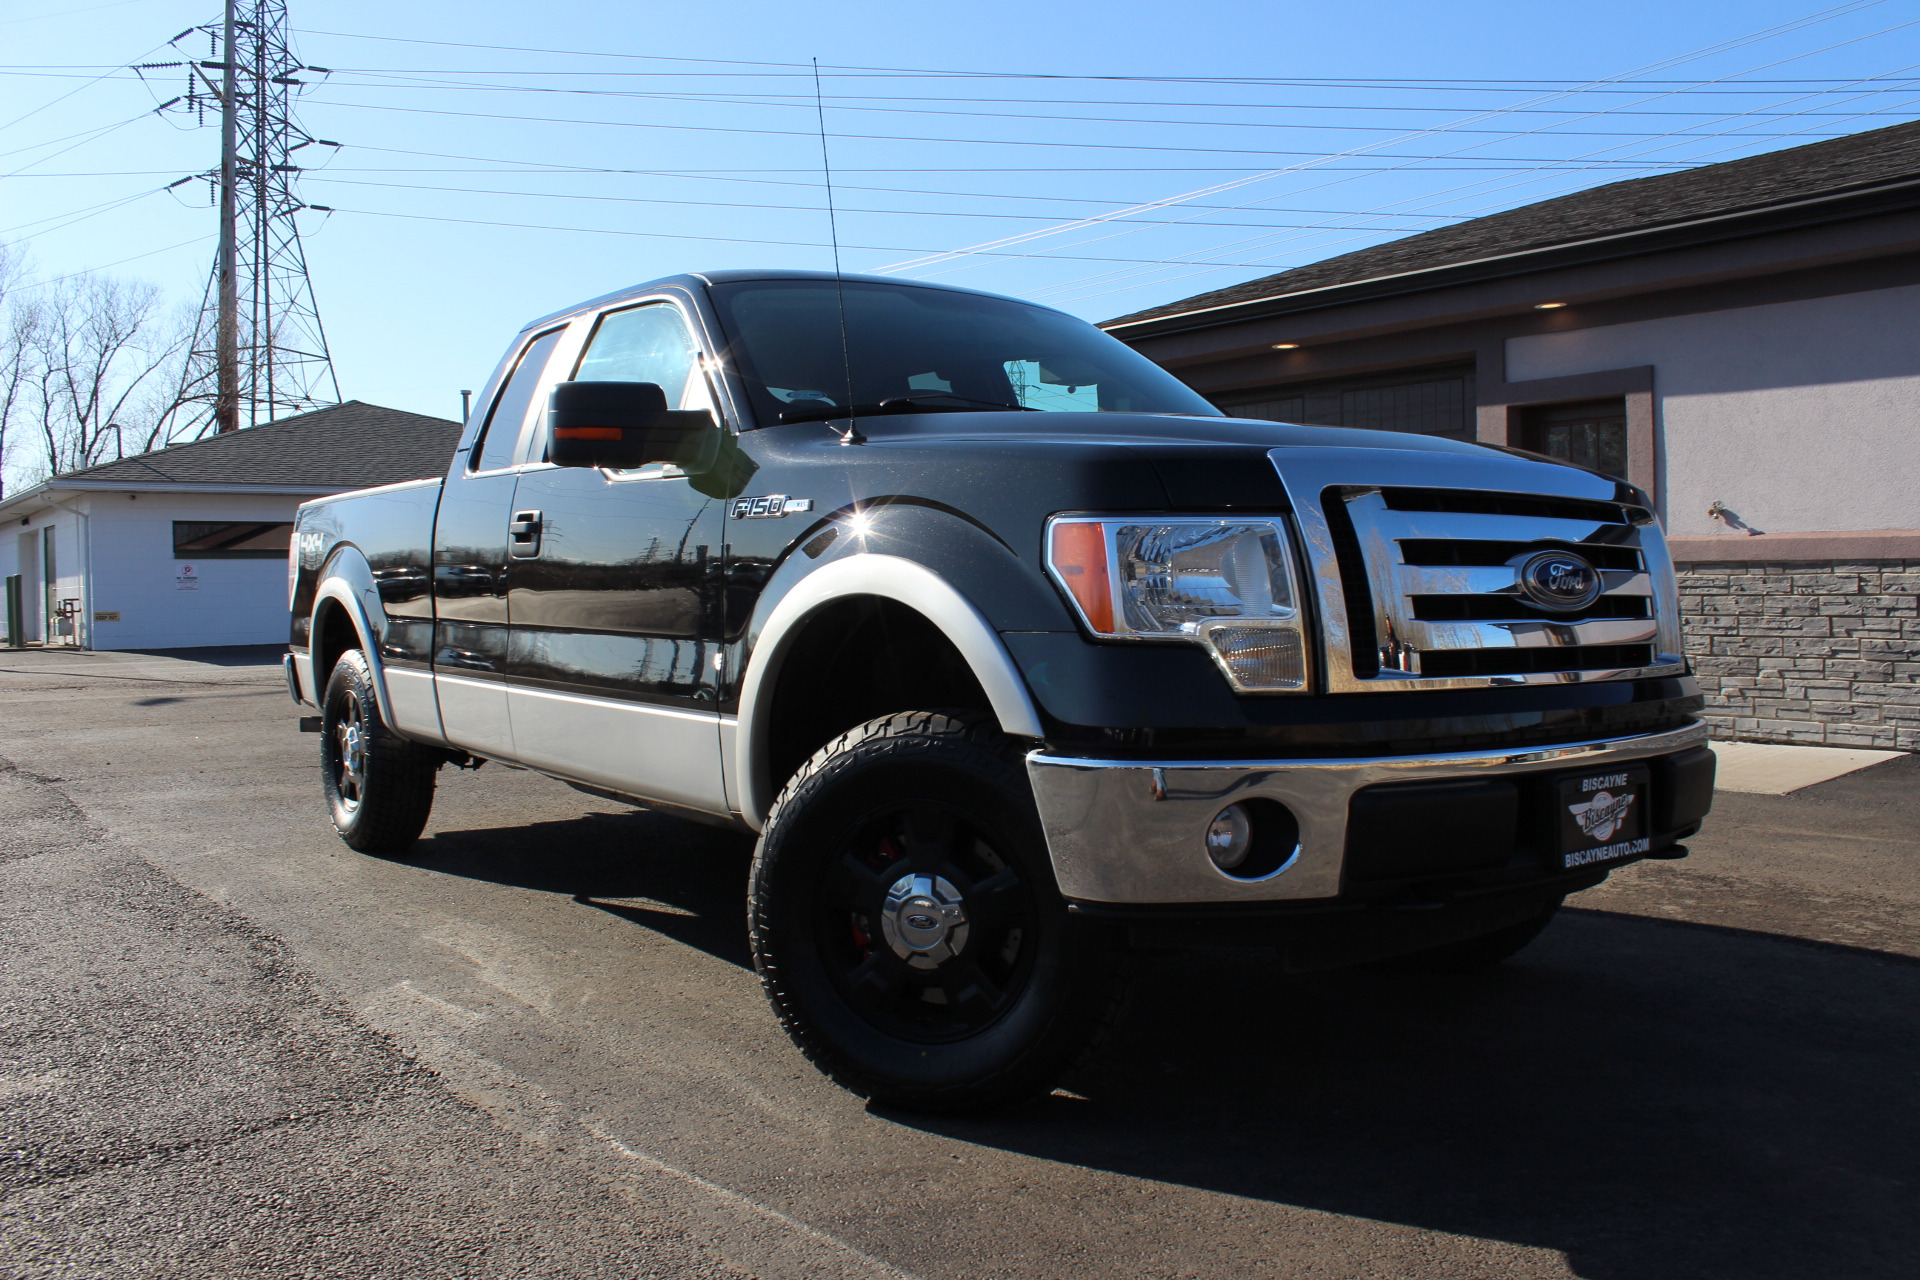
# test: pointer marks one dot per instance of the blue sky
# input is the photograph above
(477, 187)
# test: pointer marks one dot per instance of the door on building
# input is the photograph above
(33, 599)
(470, 564)
(49, 584)
(1436, 400)
(1589, 433)
(613, 593)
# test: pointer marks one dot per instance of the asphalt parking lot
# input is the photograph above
(232, 1046)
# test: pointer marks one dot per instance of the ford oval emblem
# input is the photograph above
(1560, 581)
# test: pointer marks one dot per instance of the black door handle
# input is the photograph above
(523, 535)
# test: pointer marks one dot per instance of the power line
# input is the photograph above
(1723, 46)
(79, 215)
(867, 137)
(778, 208)
(794, 244)
(839, 105)
(798, 69)
(63, 97)
(72, 275)
(1111, 275)
(688, 95)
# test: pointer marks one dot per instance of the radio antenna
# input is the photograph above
(852, 435)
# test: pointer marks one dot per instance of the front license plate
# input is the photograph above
(1602, 816)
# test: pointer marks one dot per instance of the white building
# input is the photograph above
(187, 547)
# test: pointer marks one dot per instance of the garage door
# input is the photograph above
(1431, 401)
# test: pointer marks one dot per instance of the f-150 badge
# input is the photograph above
(769, 507)
(1603, 815)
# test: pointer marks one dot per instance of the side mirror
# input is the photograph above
(620, 425)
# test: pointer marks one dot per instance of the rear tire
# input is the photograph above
(1476, 955)
(907, 928)
(379, 786)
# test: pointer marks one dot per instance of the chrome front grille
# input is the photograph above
(1417, 557)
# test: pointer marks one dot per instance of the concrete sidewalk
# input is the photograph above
(1768, 769)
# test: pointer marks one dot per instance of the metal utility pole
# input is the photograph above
(259, 350)
(226, 403)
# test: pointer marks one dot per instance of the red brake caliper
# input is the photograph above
(884, 855)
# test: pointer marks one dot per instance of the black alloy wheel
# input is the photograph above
(926, 930)
(907, 928)
(378, 785)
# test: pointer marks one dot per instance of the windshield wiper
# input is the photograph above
(898, 404)
(913, 402)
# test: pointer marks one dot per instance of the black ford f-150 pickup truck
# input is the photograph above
(1017, 655)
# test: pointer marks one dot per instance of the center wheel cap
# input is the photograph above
(924, 920)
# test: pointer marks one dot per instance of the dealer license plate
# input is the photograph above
(1602, 816)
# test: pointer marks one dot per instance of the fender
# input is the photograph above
(348, 580)
(893, 578)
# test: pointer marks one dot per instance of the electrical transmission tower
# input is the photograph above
(258, 349)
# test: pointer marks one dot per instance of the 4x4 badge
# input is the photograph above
(769, 507)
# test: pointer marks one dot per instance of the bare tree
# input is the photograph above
(19, 318)
(87, 364)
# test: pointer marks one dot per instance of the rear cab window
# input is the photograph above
(500, 438)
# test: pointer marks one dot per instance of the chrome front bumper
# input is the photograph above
(1132, 831)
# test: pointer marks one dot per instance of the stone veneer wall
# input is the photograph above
(1817, 651)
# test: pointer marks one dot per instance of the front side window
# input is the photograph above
(501, 435)
(912, 349)
(231, 539)
(647, 344)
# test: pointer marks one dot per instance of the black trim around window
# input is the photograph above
(232, 539)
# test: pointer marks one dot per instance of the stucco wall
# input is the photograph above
(137, 576)
(1798, 416)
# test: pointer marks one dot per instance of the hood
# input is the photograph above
(1138, 430)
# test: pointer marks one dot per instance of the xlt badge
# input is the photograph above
(769, 507)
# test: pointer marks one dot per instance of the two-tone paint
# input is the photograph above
(642, 647)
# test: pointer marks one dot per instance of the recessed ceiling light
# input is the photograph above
(1286, 346)
(1548, 306)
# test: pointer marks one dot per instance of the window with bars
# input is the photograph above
(1590, 433)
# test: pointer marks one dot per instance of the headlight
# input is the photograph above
(1227, 584)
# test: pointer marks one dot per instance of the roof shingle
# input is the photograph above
(1755, 182)
(353, 445)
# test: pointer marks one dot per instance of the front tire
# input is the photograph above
(907, 928)
(379, 786)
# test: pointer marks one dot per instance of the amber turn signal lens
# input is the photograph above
(1079, 555)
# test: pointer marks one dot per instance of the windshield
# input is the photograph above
(928, 350)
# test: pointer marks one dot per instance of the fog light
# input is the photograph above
(1230, 837)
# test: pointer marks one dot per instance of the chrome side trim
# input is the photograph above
(893, 578)
(653, 752)
(416, 707)
(1133, 830)
(479, 708)
(303, 672)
